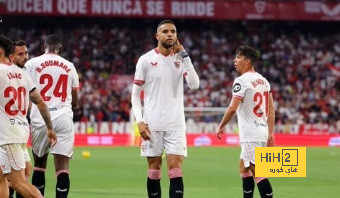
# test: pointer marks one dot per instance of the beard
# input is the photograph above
(167, 45)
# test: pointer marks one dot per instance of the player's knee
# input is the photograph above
(154, 174)
(259, 179)
(246, 174)
(175, 172)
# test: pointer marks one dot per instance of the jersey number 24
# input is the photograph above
(60, 89)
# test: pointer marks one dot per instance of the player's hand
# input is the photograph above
(219, 132)
(52, 137)
(178, 47)
(144, 131)
(271, 140)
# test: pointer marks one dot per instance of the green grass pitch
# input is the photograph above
(210, 172)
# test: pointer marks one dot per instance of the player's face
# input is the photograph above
(167, 35)
(240, 63)
(20, 56)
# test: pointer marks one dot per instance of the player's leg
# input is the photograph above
(153, 150)
(14, 169)
(40, 149)
(63, 151)
(247, 180)
(3, 185)
(263, 183)
(174, 162)
(28, 170)
(19, 184)
(38, 177)
(61, 163)
(154, 177)
(175, 149)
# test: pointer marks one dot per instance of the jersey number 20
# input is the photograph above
(17, 96)
(258, 97)
(60, 89)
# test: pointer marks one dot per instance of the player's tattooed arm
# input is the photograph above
(271, 121)
(44, 111)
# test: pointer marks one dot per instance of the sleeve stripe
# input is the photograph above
(75, 88)
(240, 97)
(139, 82)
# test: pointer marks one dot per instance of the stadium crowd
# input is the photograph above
(301, 61)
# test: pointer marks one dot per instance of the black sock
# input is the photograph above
(154, 188)
(11, 192)
(19, 196)
(63, 185)
(265, 188)
(248, 187)
(176, 188)
(38, 180)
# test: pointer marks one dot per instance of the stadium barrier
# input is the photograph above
(208, 140)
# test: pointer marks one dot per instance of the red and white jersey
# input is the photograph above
(15, 87)
(55, 77)
(162, 80)
(252, 114)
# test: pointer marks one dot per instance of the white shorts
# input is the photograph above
(12, 156)
(173, 142)
(27, 155)
(63, 127)
(248, 152)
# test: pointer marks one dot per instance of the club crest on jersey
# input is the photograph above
(12, 121)
(153, 64)
(177, 64)
(236, 87)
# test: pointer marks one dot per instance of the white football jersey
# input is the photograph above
(162, 80)
(15, 87)
(55, 77)
(252, 114)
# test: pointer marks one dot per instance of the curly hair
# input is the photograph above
(6, 45)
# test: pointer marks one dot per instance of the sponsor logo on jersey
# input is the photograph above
(12, 121)
(177, 64)
(236, 87)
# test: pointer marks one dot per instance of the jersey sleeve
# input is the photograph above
(29, 67)
(139, 78)
(239, 88)
(30, 85)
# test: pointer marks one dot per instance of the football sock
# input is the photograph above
(154, 188)
(176, 189)
(11, 192)
(265, 188)
(63, 184)
(248, 187)
(38, 179)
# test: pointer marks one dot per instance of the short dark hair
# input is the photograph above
(248, 52)
(164, 22)
(53, 42)
(16, 43)
(6, 45)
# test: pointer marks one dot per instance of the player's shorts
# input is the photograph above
(63, 127)
(27, 156)
(248, 152)
(172, 142)
(12, 156)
